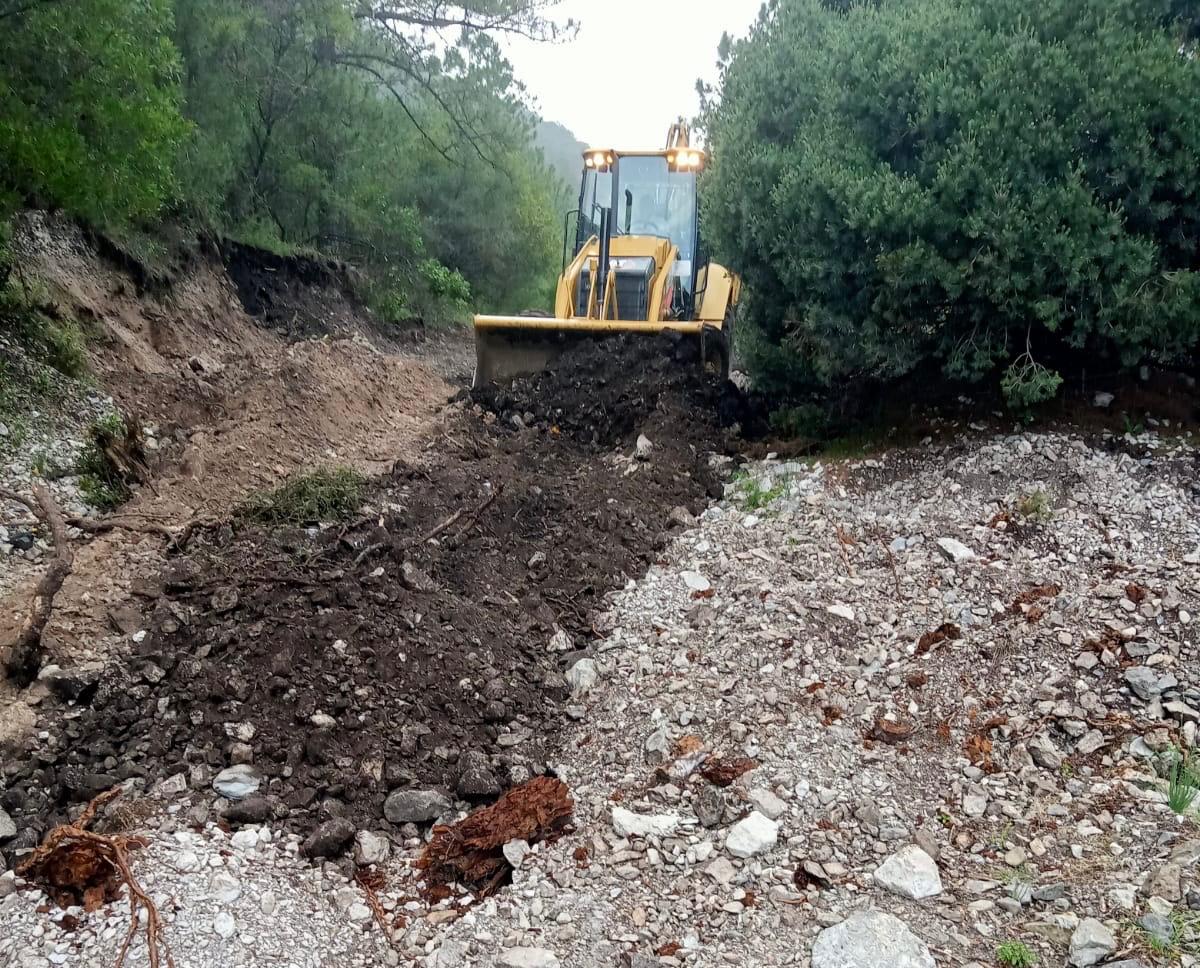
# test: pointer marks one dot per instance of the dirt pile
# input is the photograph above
(604, 391)
(422, 645)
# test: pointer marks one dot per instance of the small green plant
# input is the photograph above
(806, 421)
(1133, 428)
(1015, 954)
(1035, 506)
(754, 495)
(1183, 786)
(324, 495)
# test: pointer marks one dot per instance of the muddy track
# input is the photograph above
(423, 644)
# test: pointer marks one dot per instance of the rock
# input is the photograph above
(974, 804)
(224, 926)
(1103, 400)
(371, 849)
(72, 684)
(841, 611)
(476, 780)
(1166, 882)
(1148, 684)
(696, 582)
(710, 807)
(752, 836)
(528, 958)
(769, 805)
(415, 579)
(644, 447)
(1159, 927)
(21, 540)
(224, 887)
(682, 517)
(956, 551)
(8, 829)
(721, 870)
(629, 824)
(515, 852)
(1091, 943)
(910, 873)
(254, 809)
(1045, 754)
(870, 939)
(1049, 893)
(560, 641)
(330, 839)
(237, 782)
(415, 806)
(583, 676)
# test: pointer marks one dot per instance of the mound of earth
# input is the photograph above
(422, 645)
(601, 391)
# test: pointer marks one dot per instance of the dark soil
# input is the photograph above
(299, 296)
(601, 392)
(426, 653)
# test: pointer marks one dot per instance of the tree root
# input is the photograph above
(25, 653)
(76, 866)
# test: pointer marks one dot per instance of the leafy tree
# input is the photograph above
(348, 129)
(989, 187)
(89, 106)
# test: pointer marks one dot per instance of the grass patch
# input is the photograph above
(1183, 786)
(57, 343)
(752, 494)
(1035, 506)
(329, 494)
(1015, 954)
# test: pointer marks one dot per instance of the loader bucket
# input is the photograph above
(508, 347)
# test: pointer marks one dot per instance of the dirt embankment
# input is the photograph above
(235, 407)
(423, 644)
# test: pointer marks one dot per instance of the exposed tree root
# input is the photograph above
(76, 866)
(471, 851)
(25, 652)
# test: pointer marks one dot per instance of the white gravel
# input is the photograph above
(1010, 748)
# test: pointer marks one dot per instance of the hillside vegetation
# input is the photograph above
(1001, 192)
(372, 132)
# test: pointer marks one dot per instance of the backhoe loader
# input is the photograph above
(635, 263)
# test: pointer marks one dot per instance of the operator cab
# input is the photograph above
(649, 195)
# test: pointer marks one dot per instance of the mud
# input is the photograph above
(417, 643)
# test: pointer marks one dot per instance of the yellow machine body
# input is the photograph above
(653, 268)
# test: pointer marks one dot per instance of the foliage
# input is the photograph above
(899, 207)
(1183, 785)
(324, 495)
(89, 106)
(389, 134)
(1035, 506)
(347, 129)
(1015, 954)
(104, 485)
(754, 494)
(57, 343)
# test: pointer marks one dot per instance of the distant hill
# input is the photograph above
(563, 152)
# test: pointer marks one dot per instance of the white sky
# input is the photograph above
(632, 69)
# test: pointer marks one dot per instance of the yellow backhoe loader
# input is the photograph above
(635, 264)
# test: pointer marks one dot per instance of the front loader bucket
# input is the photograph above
(508, 347)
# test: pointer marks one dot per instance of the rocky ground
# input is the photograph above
(889, 712)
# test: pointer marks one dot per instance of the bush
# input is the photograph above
(106, 467)
(994, 190)
(1015, 954)
(325, 495)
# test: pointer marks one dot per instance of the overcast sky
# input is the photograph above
(632, 69)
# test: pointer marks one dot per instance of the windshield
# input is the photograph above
(653, 200)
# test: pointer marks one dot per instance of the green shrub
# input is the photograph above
(324, 495)
(104, 483)
(959, 189)
(1015, 954)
